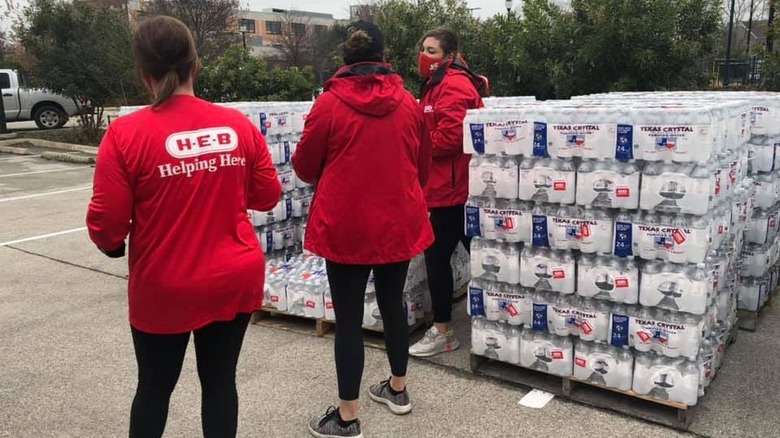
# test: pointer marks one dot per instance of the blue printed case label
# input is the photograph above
(624, 239)
(476, 301)
(624, 150)
(540, 139)
(540, 236)
(263, 123)
(620, 330)
(478, 137)
(540, 317)
(473, 228)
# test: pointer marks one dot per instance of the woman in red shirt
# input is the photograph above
(363, 146)
(178, 177)
(450, 89)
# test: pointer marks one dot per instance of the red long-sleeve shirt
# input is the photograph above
(179, 180)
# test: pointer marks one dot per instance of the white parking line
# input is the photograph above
(46, 171)
(17, 198)
(30, 239)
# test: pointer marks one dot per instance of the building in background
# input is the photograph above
(363, 11)
(275, 33)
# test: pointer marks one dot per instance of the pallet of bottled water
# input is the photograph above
(615, 238)
(298, 285)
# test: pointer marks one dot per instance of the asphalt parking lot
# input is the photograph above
(68, 368)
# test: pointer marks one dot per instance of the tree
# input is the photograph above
(296, 39)
(5, 48)
(528, 55)
(404, 23)
(326, 52)
(237, 76)
(209, 21)
(80, 52)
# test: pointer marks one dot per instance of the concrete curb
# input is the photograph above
(66, 152)
(68, 157)
(62, 146)
(16, 150)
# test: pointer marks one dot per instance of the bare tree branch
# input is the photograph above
(209, 20)
(296, 39)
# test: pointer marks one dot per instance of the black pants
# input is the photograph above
(348, 289)
(160, 359)
(449, 230)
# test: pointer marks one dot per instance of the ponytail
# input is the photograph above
(166, 87)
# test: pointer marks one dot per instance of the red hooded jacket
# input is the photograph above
(179, 180)
(445, 104)
(363, 146)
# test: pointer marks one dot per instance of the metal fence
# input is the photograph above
(738, 72)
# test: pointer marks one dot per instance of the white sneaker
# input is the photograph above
(434, 343)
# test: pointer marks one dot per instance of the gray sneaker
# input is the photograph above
(398, 404)
(434, 343)
(329, 426)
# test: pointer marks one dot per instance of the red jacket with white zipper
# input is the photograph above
(179, 180)
(364, 147)
(444, 106)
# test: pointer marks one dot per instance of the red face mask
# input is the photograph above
(427, 66)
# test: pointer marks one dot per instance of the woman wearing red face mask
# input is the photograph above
(450, 89)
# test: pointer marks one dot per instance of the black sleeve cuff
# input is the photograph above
(117, 253)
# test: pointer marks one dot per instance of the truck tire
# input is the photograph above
(50, 117)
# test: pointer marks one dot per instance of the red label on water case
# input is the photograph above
(512, 310)
(585, 230)
(644, 337)
(558, 274)
(557, 354)
(311, 304)
(678, 236)
(622, 192)
(621, 283)
(580, 362)
(586, 328)
(275, 299)
(559, 186)
(328, 305)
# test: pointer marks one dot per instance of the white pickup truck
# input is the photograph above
(48, 110)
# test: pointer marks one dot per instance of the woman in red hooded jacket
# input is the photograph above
(178, 177)
(450, 89)
(364, 147)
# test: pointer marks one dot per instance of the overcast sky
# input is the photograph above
(340, 8)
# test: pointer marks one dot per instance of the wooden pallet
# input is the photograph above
(671, 414)
(748, 319)
(278, 319)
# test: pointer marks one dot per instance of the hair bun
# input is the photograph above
(358, 40)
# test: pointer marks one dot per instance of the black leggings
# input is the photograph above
(449, 230)
(348, 289)
(160, 359)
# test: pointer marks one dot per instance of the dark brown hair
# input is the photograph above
(446, 37)
(163, 48)
(364, 43)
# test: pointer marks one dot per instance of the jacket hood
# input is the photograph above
(369, 88)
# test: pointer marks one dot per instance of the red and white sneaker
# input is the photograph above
(434, 343)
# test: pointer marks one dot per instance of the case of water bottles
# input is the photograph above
(298, 285)
(615, 238)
